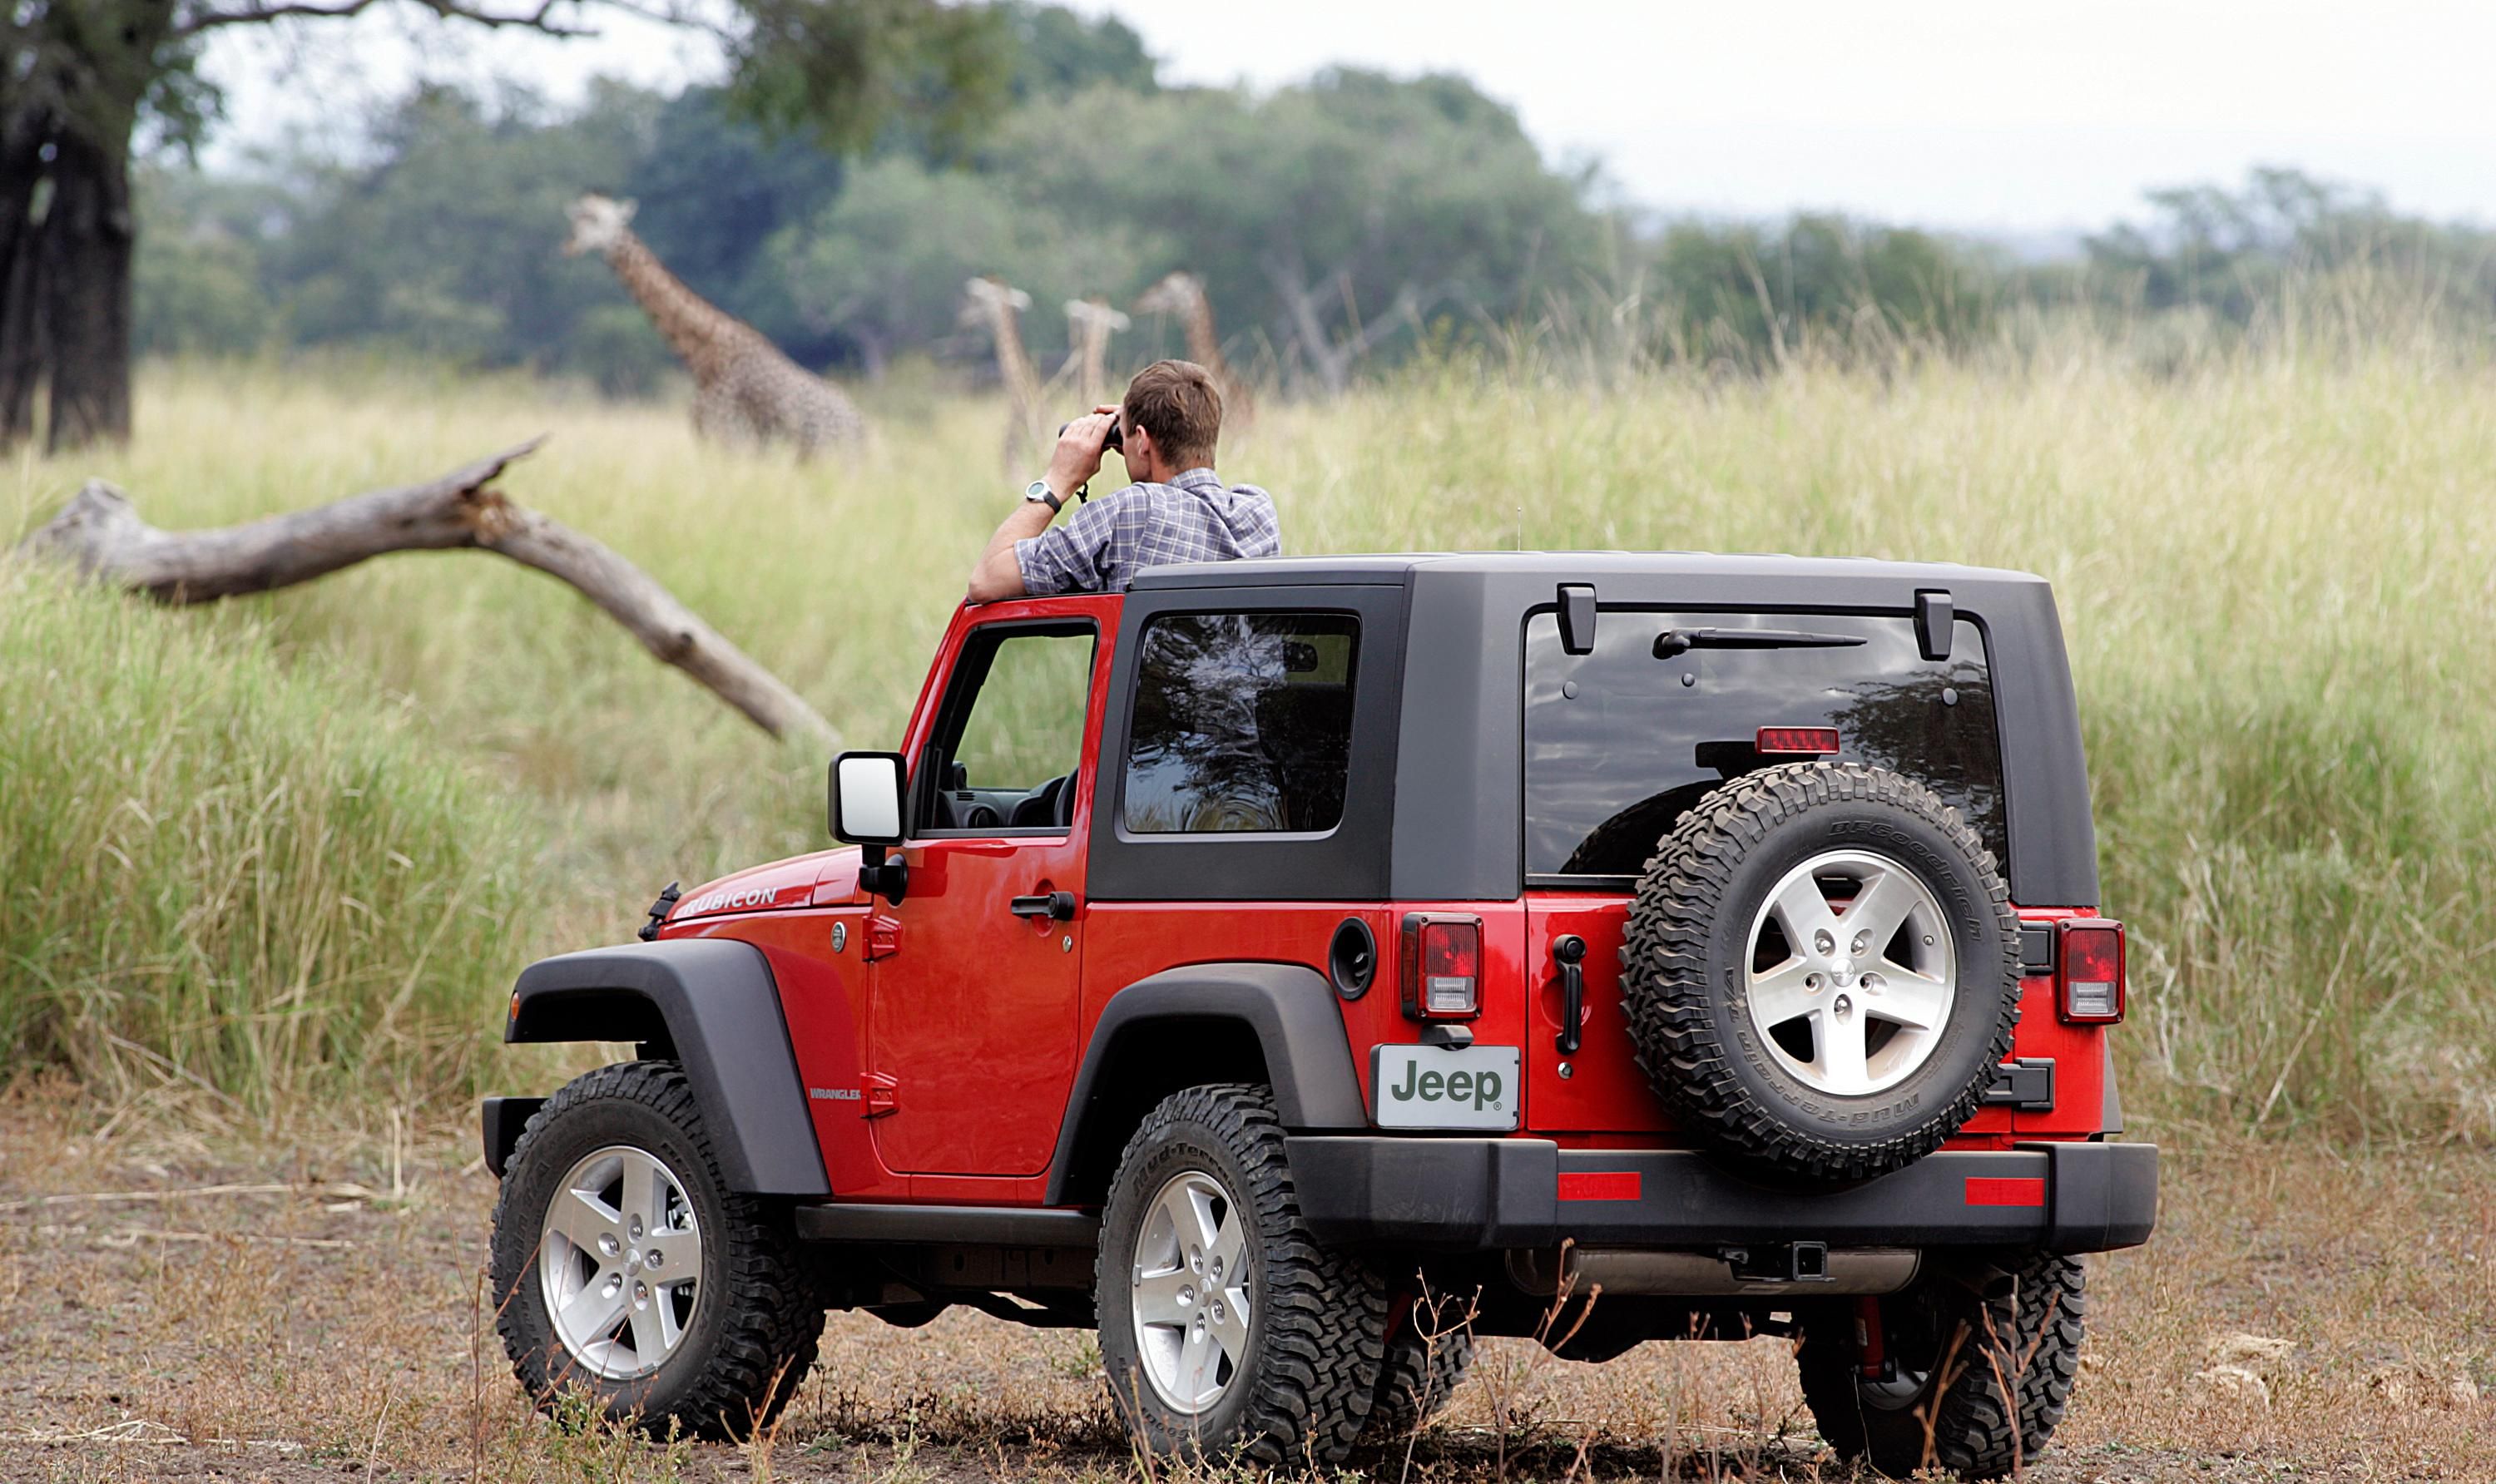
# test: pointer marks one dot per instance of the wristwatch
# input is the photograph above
(1038, 492)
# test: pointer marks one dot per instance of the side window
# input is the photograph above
(1243, 723)
(1007, 746)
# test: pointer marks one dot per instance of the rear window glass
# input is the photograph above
(1619, 744)
(1243, 723)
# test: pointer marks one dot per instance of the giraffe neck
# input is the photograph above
(1022, 384)
(1092, 357)
(1203, 346)
(700, 334)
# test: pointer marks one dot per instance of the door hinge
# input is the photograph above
(883, 1095)
(882, 937)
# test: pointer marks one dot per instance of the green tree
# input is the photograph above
(1750, 294)
(446, 246)
(1333, 215)
(884, 266)
(80, 78)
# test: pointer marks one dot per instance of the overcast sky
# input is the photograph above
(2021, 118)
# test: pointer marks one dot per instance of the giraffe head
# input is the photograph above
(1179, 294)
(1094, 317)
(598, 224)
(986, 300)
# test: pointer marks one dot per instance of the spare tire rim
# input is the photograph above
(619, 1262)
(1189, 1294)
(1852, 973)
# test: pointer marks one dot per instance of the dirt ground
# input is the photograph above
(222, 1306)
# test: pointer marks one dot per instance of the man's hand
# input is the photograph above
(1077, 457)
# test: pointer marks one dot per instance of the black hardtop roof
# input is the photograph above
(1397, 569)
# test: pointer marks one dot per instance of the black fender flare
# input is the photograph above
(712, 1005)
(1289, 1008)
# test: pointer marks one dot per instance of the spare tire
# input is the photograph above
(1822, 971)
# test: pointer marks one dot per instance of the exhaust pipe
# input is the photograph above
(1790, 1270)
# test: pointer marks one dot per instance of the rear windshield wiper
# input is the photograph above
(1675, 642)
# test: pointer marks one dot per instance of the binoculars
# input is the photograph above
(1113, 442)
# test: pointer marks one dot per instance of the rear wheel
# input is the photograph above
(1422, 1372)
(1224, 1327)
(623, 1265)
(1972, 1384)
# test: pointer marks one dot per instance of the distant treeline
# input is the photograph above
(1342, 221)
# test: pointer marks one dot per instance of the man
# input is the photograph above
(1178, 509)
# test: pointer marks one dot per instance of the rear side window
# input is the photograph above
(1243, 723)
(1620, 742)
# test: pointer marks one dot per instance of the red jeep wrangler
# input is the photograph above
(1635, 947)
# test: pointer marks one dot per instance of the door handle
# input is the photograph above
(1569, 951)
(1058, 906)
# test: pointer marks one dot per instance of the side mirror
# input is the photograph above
(865, 801)
(866, 791)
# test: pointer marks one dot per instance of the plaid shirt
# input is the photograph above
(1107, 541)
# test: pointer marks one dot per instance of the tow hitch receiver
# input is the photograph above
(1779, 1262)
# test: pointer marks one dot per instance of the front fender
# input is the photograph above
(711, 1004)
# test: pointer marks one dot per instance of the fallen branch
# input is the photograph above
(100, 532)
(86, 1196)
(131, 1236)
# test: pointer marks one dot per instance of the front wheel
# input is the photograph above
(1973, 1384)
(623, 1265)
(1224, 1328)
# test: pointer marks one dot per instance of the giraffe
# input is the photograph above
(994, 304)
(1183, 295)
(1093, 322)
(745, 391)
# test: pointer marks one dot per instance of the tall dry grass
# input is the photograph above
(234, 872)
(2274, 564)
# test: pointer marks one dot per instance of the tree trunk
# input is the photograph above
(100, 533)
(88, 234)
(24, 197)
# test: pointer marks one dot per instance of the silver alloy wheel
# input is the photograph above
(1894, 1395)
(1868, 972)
(1189, 1301)
(619, 1262)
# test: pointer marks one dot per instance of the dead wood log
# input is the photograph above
(100, 532)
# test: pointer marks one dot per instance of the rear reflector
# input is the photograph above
(1598, 1185)
(1796, 741)
(1442, 967)
(2089, 972)
(2004, 1190)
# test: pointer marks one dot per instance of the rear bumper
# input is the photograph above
(1487, 1195)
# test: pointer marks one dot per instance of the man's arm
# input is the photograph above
(1072, 464)
(997, 575)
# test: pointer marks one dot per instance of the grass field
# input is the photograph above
(2275, 577)
(275, 866)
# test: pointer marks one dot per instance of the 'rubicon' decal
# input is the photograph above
(725, 899)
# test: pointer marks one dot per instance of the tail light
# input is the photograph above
(2088, 972)
(1442, 967)
(1795, 741)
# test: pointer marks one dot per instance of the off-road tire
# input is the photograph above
(1418, 1378)
(1317, 1317)
(2031, 1337)
(1686, 951)
(755, 1326)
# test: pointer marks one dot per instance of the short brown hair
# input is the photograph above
(1177, 403)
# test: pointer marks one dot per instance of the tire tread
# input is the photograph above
(1674, 1009)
